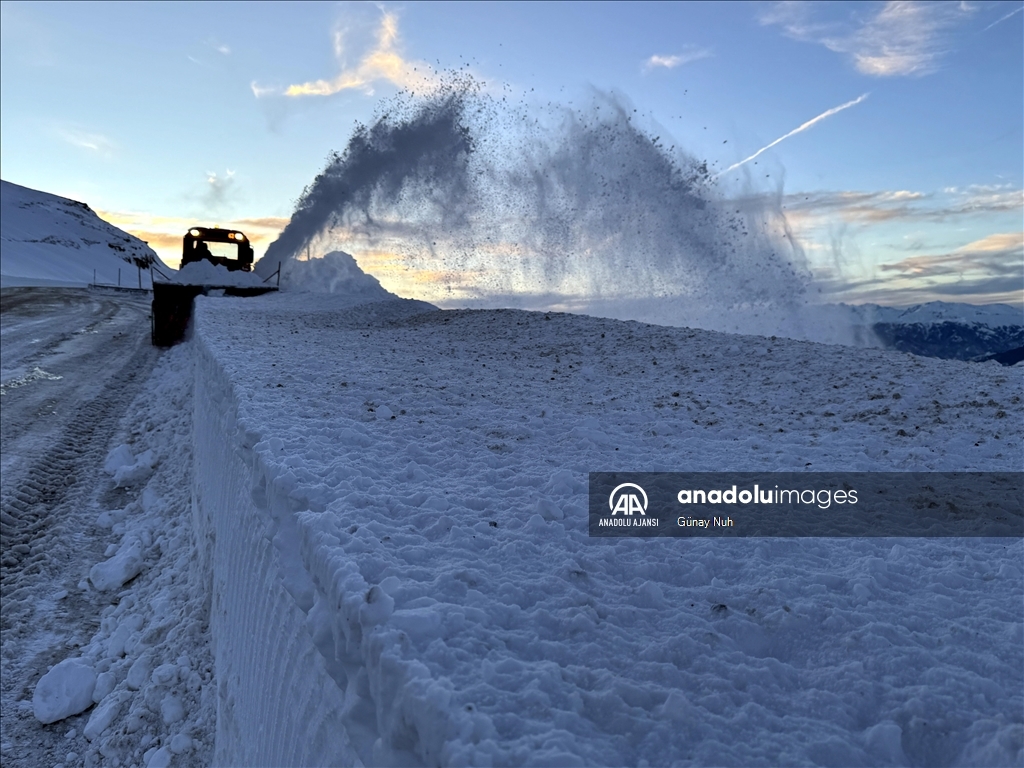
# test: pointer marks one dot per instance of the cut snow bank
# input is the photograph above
(391, 505)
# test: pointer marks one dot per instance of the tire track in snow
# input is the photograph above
(48, 505)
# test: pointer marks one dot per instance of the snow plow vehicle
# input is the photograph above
(173, 297)
(195, 247)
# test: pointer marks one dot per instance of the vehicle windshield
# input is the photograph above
(224, 250)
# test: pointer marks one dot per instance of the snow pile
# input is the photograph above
(207, 273)
(52, 241)
(412, 505)
(35, 374)
(335, 272)
(147, 671)
(118, 570)
(126, 468)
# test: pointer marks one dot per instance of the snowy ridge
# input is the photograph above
(940, 329)
(49, 240)
(992, 315)
(407, 487)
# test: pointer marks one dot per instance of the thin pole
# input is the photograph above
(118, 277)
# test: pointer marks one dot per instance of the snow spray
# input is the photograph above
(466, 199)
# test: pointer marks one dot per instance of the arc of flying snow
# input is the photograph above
(795, 131)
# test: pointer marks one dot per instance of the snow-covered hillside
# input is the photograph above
(46, 240)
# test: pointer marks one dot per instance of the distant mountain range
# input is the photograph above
(946, 330)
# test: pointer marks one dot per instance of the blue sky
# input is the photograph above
(161, 115)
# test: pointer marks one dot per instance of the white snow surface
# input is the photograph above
(390, 505)
(334, 272)
(207, 273)
(64, 690)
(47, 240)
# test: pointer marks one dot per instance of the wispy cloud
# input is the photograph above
(94, 142)
(259, 91)
(902, 38)
(800, 129)
(202, 57)
(805, 209)
(677, 59)
(986, 270)
(996, 255)
(269, 223)
(907, 246)
(382, 63)
(905, 292)
(1014, 12)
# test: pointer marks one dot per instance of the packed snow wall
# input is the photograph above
(304, 676)
(276, 704)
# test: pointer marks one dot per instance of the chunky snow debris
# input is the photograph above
(137, 472)
(124, 566)
(121, 456)
(64, 691)
(148, 667)
(128, 469)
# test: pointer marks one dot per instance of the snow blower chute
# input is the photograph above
(172, 298)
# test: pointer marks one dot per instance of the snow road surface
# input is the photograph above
(78, 375)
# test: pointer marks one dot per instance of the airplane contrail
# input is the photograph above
(795, 131)
(1004, 18)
